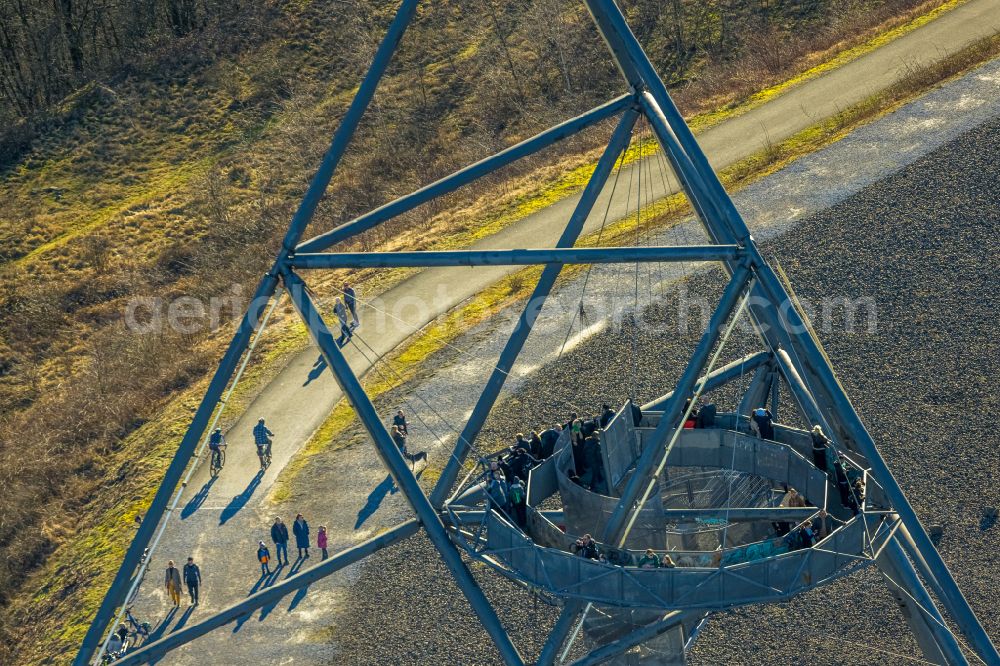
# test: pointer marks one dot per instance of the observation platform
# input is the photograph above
(737, 557)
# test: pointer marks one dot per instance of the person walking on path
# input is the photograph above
(351, 300)
(279, 535)
(345, 330)
(321, 541)
(192, 577)
(263, 556)
(172, 580)
(301, 530)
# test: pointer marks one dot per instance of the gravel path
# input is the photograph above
(920, 244)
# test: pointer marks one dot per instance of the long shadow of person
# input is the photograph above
(318, 367)
(299, 596)
(198, 499)
(374, 501)
(296, 565)
(161, 628)
(240, 500)
(184, 618)
(271, 580)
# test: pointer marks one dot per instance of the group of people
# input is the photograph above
(586, 547)
(848, 478)
(280, 538)
(261, 438)
(174, 578)
(585, 438)
(506, 477)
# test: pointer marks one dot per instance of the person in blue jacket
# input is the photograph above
(264, 557)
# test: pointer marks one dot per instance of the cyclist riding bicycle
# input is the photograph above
(216, 441)
(262, 438)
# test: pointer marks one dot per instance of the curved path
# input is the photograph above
(220, 522)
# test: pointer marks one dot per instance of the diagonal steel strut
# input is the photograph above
(393, 459)
(619, 141)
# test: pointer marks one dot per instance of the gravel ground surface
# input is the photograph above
(920, 244)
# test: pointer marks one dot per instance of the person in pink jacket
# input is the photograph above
(321, 541)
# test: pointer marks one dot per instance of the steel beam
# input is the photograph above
(151, 652)
(629, 641)
(265, 290)
(115, 595)
(394, 461)
(756, 393)
(730, 228)
(589, 255)
(719, 377)
(739, 514)
(935, 640)
(467, 175)
(649, 461)
(952, 598)
(564, 625)
(619, 141)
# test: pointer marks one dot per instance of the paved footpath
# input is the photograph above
(220, 522)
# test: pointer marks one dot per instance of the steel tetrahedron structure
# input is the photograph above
(621, 607)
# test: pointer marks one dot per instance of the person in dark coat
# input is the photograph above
(399, 420)
(843, 486)
(763, 419)
(279, 535)
(301, 530)
(351, 301)
(520, 463)
(594, 474)
(535, 445)
(497, 489)
(399, 437)
(606, 415)
(549, 439)
(636, 413)
(264, 557)
(192, 577)
(820, 442)
(587, 547)
(706, 416)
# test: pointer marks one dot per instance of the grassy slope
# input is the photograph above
(81, 199)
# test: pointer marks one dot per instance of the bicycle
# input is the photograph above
(218, 460)
(264, 454)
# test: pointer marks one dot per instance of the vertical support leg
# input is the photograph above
(265, 290)
(115, 595)
(952, 598)
(753, 398)
(564, 625)
(653, 454)
(393, 459)
(935, 640)
(619, 140)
